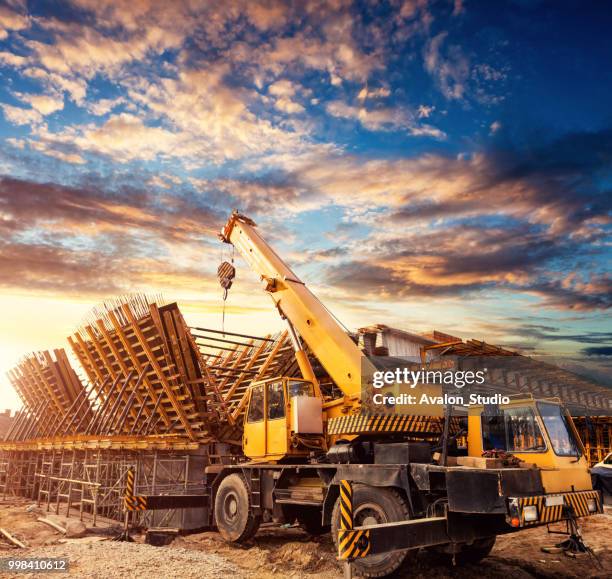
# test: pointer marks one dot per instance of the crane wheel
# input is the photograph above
(372, 505)
(233, 513)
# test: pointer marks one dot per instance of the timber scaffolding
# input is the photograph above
(156, 395)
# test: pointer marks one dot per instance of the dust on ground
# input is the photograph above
(277, 552)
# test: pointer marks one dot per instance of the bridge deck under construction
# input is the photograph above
(168, 400)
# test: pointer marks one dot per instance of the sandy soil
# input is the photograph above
(280, 552)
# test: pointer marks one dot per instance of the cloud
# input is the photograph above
(383, 119)
(223, 91)
(341, 59)
(44, 104)
(424, 111)
(164, 181)
(195, 106)
(56, 151)
(86, 51)
(448, 65)
(90, 241)
(284, 91)
(20, 115)
(367, 93)
(40, 267)
(463, 260)
(102, 107)
(211, 120)
(58, 208)
(76, 87)
(514, 220)
(10, 59)
(448, 262)
(267, 16)
(125, 137)
(12, 18)
(579, 293)
(604, 351)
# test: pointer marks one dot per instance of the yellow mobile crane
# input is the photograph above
(305, 439)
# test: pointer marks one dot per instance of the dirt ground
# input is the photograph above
(276, 552)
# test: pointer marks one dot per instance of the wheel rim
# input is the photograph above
(370, 514)
(230, 507)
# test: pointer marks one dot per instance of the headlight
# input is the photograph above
(530, 513)
(592, 504)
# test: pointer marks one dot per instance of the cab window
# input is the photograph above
(512, 430)
(256, 407)
(559, 430)
(298, 388)
(276, 401)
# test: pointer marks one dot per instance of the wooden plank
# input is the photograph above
(104, 358)
(12, 539)
(223, 407)
(273, 352)
(228, 395)
(136, 363)
(99, 377)
(480, 462)
(53, 524)
(61, 387)
(62, 358)
(160, 374)
(117, 355)
(91, 375)
(34, 365)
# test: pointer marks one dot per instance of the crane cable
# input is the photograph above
(226, 272)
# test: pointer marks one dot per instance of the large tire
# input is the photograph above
(233, 514)
(373, 505)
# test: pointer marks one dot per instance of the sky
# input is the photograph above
(423, 164)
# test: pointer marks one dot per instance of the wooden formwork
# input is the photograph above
(144, 360)
(234, 361)
(152, 379)
(50, 391)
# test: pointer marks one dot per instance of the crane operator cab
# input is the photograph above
(284, 418)
(538, 432)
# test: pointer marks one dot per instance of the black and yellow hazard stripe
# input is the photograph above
(352, 543)
(135, 503)
(346, 505)
(578, 501)
(367, 423)
(131, 501)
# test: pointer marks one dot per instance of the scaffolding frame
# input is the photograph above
(90, 484)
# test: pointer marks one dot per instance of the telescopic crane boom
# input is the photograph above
(327, 340)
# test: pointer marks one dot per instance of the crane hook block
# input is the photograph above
(226, 273)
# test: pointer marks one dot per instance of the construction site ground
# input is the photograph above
(276, 552)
